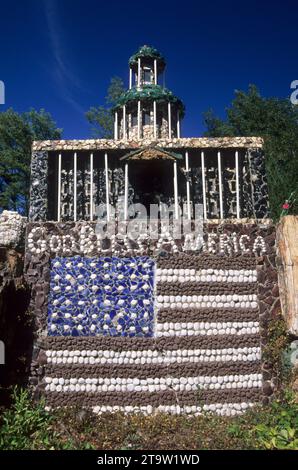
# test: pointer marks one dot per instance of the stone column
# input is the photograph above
(38, 211)
(255, 183)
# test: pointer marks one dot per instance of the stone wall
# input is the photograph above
(158, 326)
(15, 327)
(12, 230)
(189, 142)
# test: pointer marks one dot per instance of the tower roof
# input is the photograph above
(150, 93)
(147, 52)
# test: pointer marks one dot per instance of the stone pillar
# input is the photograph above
(287, 261)
(38, 211)
(255, 184)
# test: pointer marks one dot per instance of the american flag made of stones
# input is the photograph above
(177, 334)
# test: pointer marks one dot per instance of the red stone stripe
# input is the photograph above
(207, 314)
(158, 344)
(203, 288)
(168, 397)
(188, 261)
(143, 371)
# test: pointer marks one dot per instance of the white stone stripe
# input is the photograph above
(205, 328)
(215, 301)
(223, 409)
(246, 354)
(206, 275)
(156, 384)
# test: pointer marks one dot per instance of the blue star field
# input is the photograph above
(107, 296)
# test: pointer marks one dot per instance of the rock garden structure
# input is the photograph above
(171, 320)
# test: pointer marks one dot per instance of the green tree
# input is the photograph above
(17, 131)
(101, 117)
(276, 120)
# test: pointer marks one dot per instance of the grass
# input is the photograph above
(29, 426)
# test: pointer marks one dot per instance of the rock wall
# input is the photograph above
(15, 326)
(158, 326)
(189, 142)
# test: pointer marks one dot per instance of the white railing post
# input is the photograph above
(237, 184)
(91, 186)
(75, 186)
(187, 186)
(176, 191)
(139, 119)
(220, 184)
(126, 191)
(59, 187)
(155, 71)
(204, 184)
(107, 186)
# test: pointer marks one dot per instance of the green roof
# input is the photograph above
(150, 93)
(147, 52)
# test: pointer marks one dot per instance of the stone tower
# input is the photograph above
(147, 110)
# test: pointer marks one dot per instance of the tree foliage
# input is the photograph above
(17, 131)
(101, 117)
(276, 120)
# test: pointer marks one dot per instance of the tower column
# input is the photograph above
(124, 122)
(155, 71)
(116, 126)
(139, 72)
(178, 124)
(130, 77)
(169, 120)
(154, 120)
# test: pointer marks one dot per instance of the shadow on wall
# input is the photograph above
(16, 328)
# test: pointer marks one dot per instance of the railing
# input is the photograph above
(85, 181)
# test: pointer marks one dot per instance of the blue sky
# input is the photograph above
(60, 55)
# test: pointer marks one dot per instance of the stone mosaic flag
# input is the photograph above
(137, 334)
